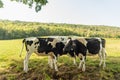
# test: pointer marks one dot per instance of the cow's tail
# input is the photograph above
(105, 53)
(22, 47)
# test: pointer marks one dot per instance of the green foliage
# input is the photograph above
(17, 29)
(38, 3)
(1, 4)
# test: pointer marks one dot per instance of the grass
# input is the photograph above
(11, 65)
(113, 47)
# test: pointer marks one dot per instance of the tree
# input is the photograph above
(1, 4)
(38, 3)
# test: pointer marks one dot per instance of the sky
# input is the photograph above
(87, 12)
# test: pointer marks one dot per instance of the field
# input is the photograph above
(11, 65)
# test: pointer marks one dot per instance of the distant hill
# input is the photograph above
(20, 29)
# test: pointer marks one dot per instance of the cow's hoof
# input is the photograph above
(25, 70)
(75, 64)
(56, 70)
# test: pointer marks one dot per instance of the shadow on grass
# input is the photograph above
(39, 70)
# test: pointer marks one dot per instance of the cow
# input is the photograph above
(81, 47)
(51, 47)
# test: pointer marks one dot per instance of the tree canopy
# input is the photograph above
(21, 29)
(38, 3)
(1, 4)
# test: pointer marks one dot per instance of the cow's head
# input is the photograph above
(69, 46)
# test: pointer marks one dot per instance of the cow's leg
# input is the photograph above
(100, 55)
(104, 57)
(28, 54)
(101, 58)
(74, 61)
(55, 63)
(73, 56)
(50, 61)
(54, 58)
(82, 62)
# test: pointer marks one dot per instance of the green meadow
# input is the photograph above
(11, 65)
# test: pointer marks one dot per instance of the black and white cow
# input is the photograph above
(51, 47)
(82, 46)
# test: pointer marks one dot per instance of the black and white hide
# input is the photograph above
(51, 47)
(82, 46)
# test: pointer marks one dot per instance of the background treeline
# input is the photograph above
(19, 29)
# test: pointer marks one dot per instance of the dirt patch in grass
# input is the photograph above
(65, 73)
(39, 70)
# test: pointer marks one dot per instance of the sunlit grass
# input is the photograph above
(10, 49)
(9, 59)
(113, 47)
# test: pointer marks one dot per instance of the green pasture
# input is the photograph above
(10, 60)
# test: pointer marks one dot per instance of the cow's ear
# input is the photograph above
(70, 38)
